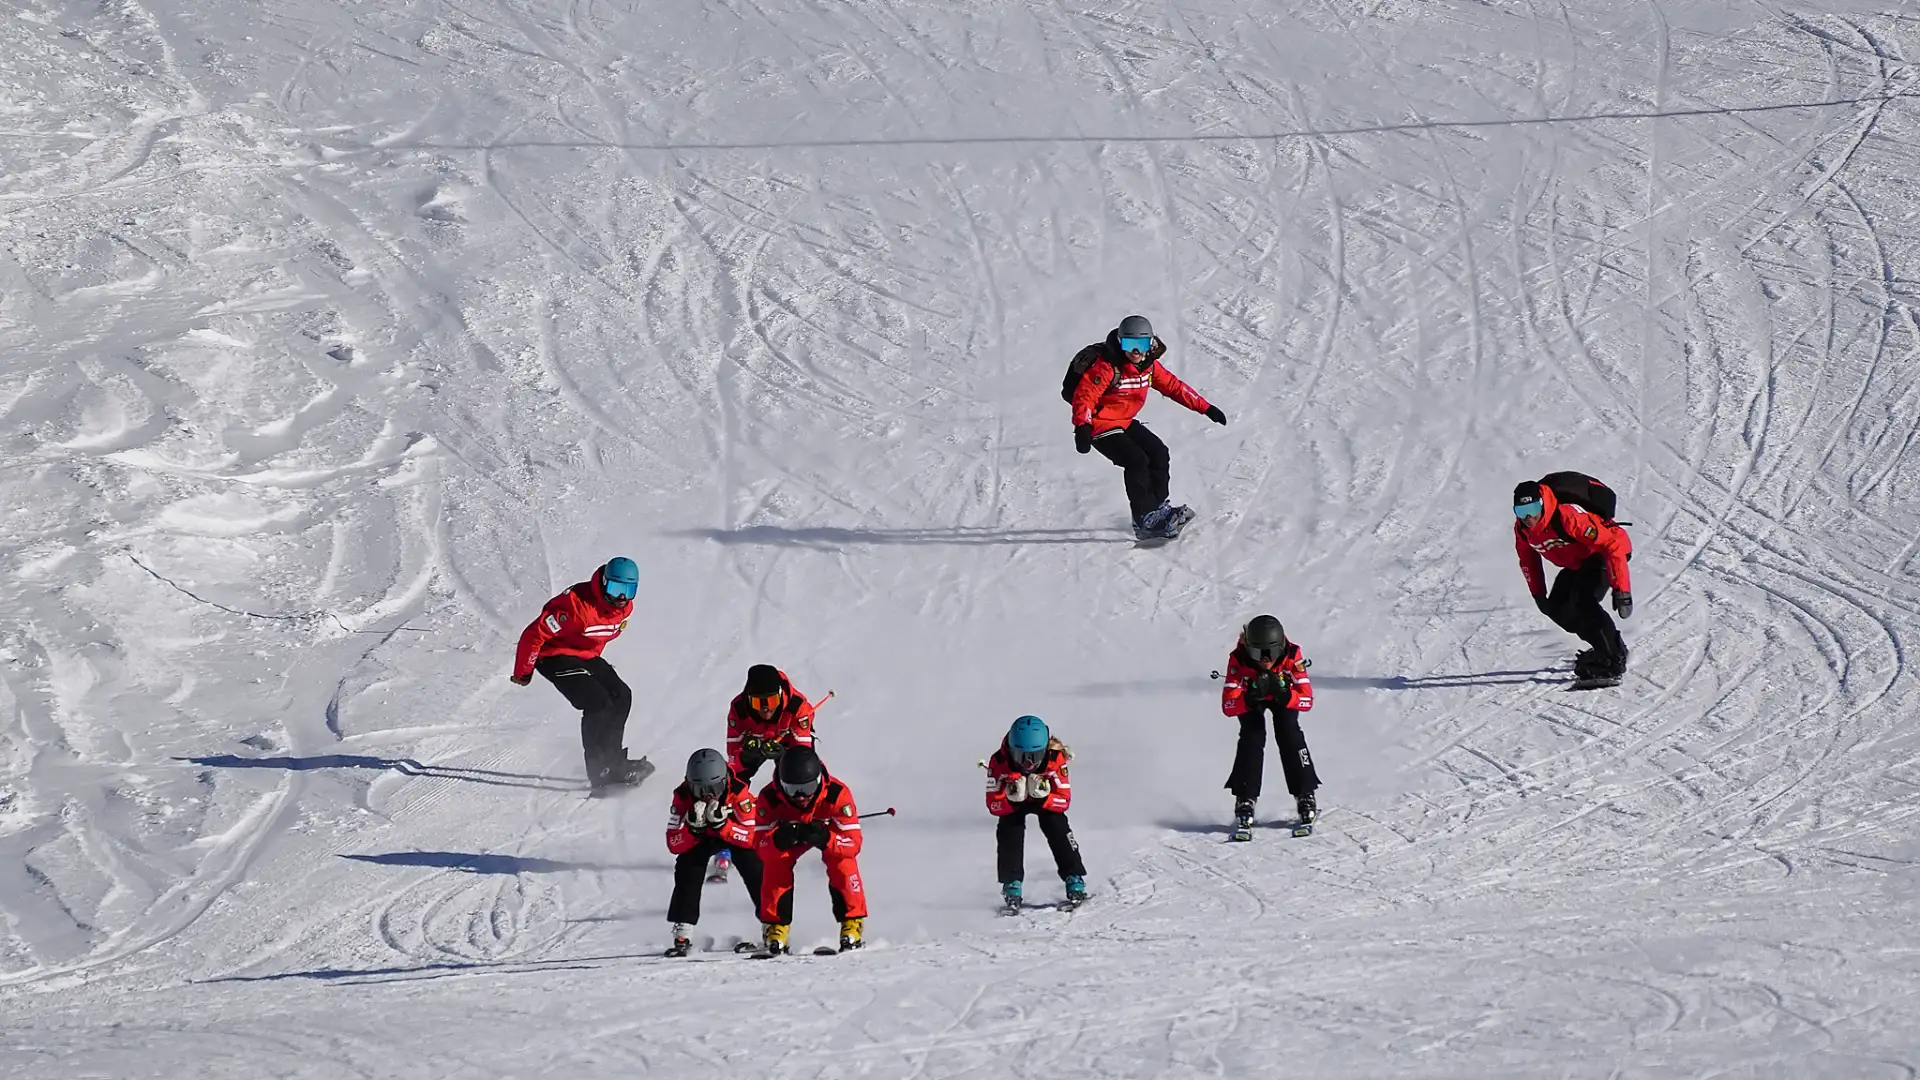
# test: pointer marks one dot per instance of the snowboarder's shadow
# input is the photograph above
(403, 766)
(829, 537)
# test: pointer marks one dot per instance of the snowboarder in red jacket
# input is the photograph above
(1592, 554)
(1027, 777)
(564, 644)
(1266, 674)
(1116, 375)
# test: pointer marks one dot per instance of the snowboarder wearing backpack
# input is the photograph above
(1107, 385)
(1567, 518)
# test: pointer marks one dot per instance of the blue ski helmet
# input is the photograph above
(1027, 743)
(620, 579)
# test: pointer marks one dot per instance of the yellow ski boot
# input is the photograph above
(850, 934)
(773, 940)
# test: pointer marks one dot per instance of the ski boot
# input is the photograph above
(723, 862)
(682, 944)
(1309, 811)
(773, 940)
(1076, 892)
(850, 938)
(1243, 820)
(1010, 900)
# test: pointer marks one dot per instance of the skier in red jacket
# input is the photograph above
(805, 808)
(766, 716)
(713, 811)
(564, 644)
(1027, 777)
(1116, 375)
(1266, 674)
(1592, 553)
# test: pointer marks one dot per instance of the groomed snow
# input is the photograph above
(337, 335)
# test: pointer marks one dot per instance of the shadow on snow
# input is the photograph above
(1189, 683)
(830, 537)
(403, 766)
(475, 862)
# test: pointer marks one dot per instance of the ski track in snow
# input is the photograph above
(338, 337)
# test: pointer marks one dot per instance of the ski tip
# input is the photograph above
(826, 950)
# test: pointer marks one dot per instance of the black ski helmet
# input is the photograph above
(763, 680)
(799, 774)
(1527, 500)
(707, 774)
(1265, 639)
(1135, 326)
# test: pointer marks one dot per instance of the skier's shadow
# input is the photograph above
(403, 766)
(830, 537)
(1186, 684)
(480, 862)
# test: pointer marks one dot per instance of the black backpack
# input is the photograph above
(1077, 369)
(1585, 492)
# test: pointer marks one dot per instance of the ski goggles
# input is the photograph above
(1027, 760)
(1523, 511)
(1266, 654)
(800, 793)
(1136, 344)
(620, 592)
(708, 790)
(766, 703)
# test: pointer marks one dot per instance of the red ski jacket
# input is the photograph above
(579, 622)
(1113, 391)
(735, 830)
(1246, 679)
(1567, 536)
(1053, 772)
(791, 726)
(832, 806)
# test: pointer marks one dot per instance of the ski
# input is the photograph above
(1242, 832)
(1304, 828)
(717, 875)
(1601, 683)
(1012, 907)
(826, 950)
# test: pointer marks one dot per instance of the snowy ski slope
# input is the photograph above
(337, 335)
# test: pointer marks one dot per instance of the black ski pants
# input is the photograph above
(1575, 605)
(1011, 839)
(593, 687)
(1249, 757)
(690, 877)
(1144, 457)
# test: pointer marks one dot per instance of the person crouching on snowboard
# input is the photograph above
(1267, 675)
(1027, 777)
(1592, 553)
(806, 808)
(712, 812)
(564, 644)
(1116, 374)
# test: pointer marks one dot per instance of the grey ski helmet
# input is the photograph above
(1135, 326)
(707, 774)
(1265, 639)
(799, 774)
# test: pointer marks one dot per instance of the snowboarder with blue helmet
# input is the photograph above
(564, 643)
(1027, 777)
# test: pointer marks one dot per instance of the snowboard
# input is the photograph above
(1600, 683)
(638, 771)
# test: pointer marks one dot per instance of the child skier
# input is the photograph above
(1027, 777)
(713, 811)
(806, 808)
(1266, 674)
(564, 644)
(1107, 384)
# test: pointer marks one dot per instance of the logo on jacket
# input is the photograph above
(554, 620)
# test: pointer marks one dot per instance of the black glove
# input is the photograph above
(1541, 603)
(1083, 437)
(1623, 604)
(521, 680)
(1214, 414)
(786, 836)
(815, 833)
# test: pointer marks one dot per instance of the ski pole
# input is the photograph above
(814, 707)
(888, 812)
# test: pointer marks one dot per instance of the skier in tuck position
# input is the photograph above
(805, 808)
(766, 716)
(1267, 675)
(712, 812)
(1107, 385)
(1027, 777)
(1567, 518)
(564, 644)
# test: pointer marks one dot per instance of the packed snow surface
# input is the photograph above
(337, 335)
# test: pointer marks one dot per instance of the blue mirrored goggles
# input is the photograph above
(619, 590)
(1527, 510)
(1136, 344)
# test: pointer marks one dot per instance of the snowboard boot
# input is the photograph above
(850, 937)
(773, 939)
(1010, 899)
(600, 774)
(631, 772)
(682, 944)
(1587, 664)
(1308, 808)
(1076, 890)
